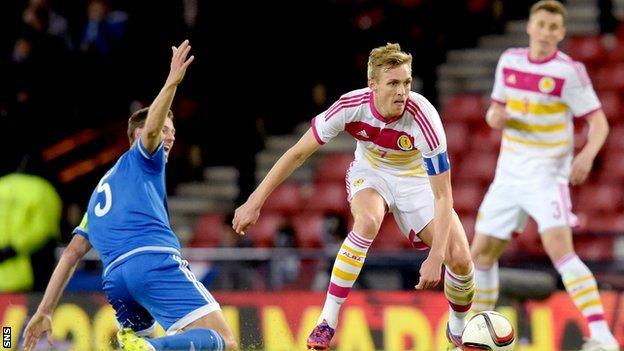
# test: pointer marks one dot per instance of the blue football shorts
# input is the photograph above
(158, 287)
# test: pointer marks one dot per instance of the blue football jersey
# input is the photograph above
(127, 212)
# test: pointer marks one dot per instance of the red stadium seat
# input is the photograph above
(309, 229)
(612, 166)
(529, 241)
(610, 77)
(599, 197)
(207, 232)
(328, 197)
(597, 222)
(333, 167)
(467, 196)
(615, 140)
(467, 107)
(390, 236)
(477, 166)
(587, 49)
(611, 104)
(594, 248)
(457, 139)
(262, 234)
(286, 198)
(486, 139)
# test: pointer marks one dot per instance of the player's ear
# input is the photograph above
(372, 84)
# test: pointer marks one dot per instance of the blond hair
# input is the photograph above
(389, 56)
(552, 6)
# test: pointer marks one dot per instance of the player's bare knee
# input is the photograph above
(367, 224)
(460, 264)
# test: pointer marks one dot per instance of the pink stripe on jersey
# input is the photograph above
(378, 115)
(544, 60)
(346, 100)
(496, 101)
(363, 100)
(338, 291)
(426, 120)
(424, 125)
(315, 132)
(531, 82)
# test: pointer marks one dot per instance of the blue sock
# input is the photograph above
(200, 339)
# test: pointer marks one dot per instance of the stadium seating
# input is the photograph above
(328, 197)
(465, 107)
(390, 236)
(477, 166)
(262, 234)
(457, 140)
(333, 167)
(485, 139)
(309, 227)
(587, 49)
(207, 232)
(286, 198)
(611, 104)
(603, 197)
(467, 196)
(610, 77)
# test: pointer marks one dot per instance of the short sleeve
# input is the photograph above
(498, 92)
(431, 140)
(83, 227)
(578, 92)
(330, 123)
(153, 162)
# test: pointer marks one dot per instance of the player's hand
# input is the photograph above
(430, 272)
(245, 216)
(39, 324)
(497, 117)
(581, 166)
(179, 62)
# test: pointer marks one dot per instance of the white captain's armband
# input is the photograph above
(437, 164)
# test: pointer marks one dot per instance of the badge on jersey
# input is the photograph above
(404, 143)
(546, 85)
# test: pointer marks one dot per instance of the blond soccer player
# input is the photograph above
(538, 91)
(401, 166)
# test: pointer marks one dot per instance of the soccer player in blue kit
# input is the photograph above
(145, 278)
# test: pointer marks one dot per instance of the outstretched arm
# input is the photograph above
(443, 205)
(159, 109)
(248, 213)
(41, 321)
(584, 160)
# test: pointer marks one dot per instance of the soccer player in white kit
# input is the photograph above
(401, 165)
(537, 92)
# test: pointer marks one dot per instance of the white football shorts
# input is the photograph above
(506, 208)
(410, 199)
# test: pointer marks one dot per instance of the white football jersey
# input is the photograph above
(541, 97)
(413, 144)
